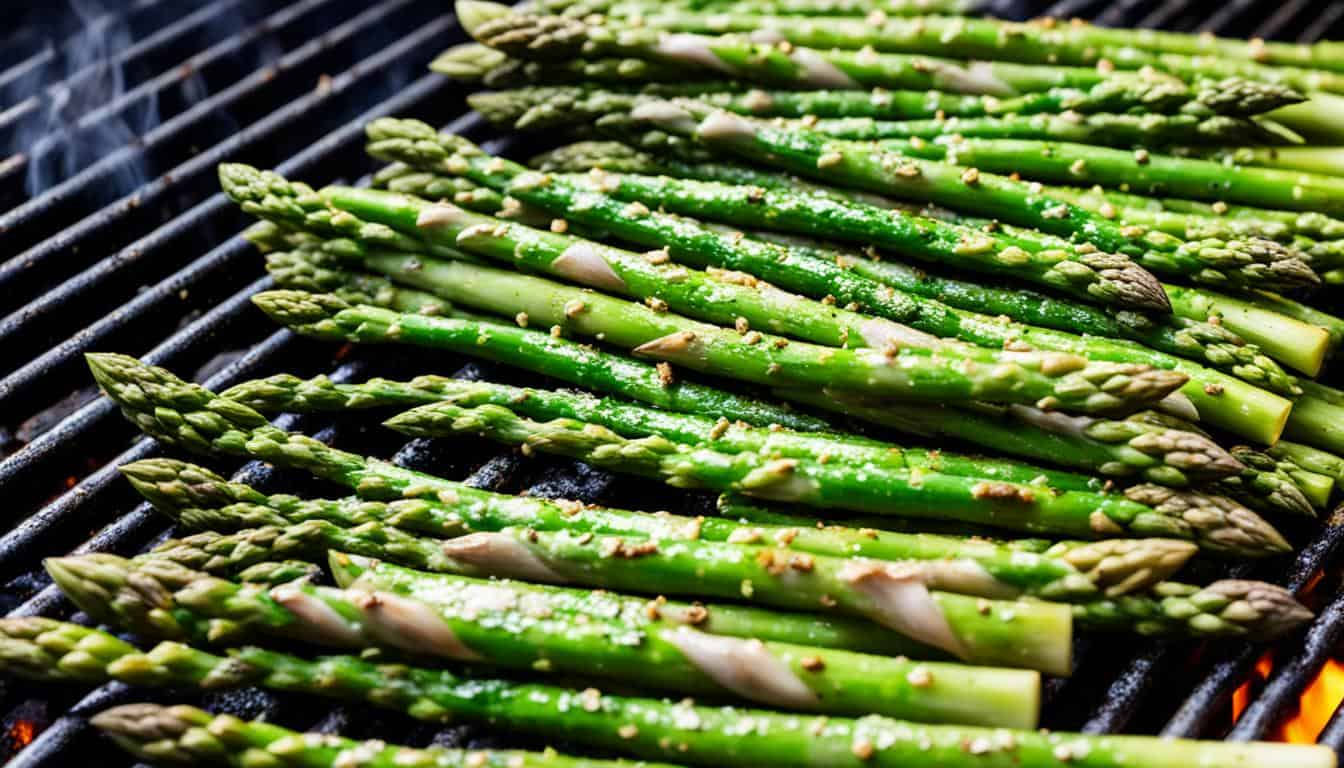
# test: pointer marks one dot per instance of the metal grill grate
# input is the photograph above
(153, 268)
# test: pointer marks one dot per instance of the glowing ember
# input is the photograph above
(21, 733)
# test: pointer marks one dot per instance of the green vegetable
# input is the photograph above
(44, 649)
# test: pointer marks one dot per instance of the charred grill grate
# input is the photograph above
(129, 247)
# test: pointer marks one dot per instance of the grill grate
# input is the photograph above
(152, 267)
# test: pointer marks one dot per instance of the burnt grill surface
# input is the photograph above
(116, 239)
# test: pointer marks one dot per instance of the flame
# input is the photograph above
(1316, 705)
(21, 733)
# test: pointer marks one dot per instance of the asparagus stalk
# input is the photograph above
(776, 61)
(1065, 571)
(1227, 608)
(1120, 449)
(958, 626)
(1098, 277)
(1332, 324)
(786, 7)
(1141, 171)
(1142, 512)
(503, 633)
(1269, 485)
(183, 735)
(801, 274)
(1296, 343)
(1212, 345)
(918, 115)
(903, 175)
(43, 649)
(716, 298)
(994, 39)
(287, 393)
(1309, 459)
(538, 107)
(1308, 223)
(477, 63)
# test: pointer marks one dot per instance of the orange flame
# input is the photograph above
(1316, 705)
(21, 733)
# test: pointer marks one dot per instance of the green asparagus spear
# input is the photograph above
(787, 7)
(1332, 324)
(1141, 171)
(492, 626)
(806, 273)
(573, 106)
(183, 735)
(994, 39)
(1312, 460)
(903, 175)
(477, 63)
(1116, 449)
(1094, 276)
(537, 107)
(1212, 345)
(1068, 570)
(868, 491)
(1298, 344)
(1269, 485)
(1246, 609)
(44, 649)
(1309, 223)
(287, 393)
(728, 299)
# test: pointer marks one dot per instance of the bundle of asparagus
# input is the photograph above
(781, 227)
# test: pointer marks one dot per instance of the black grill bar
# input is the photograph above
(172, 90)
(84, 261)
(159, 244)
(1286, 684)
(50, 59)
(1194, 717)
(42, 216)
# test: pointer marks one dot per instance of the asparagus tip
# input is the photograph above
(1263, 610)
(530, 36)
(468, 61)
(471, 14)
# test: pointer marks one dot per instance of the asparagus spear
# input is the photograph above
(903, 175)
(1095, 276)
(183, 735)
(1268, 486)
(558, 194)
(1332, 324)
(810, 275)
(477, 63)
(717, 298)
(1224, 609)
(1120, 449)
(955, 625)
(287, 393)
(536, 107)
(1309, 223)
(788, 7)
(1141, 513)
(1066, 571)
(44, 649)
(1213, 345)
(1141, 171)
(1309, 459)
(574, 106)
(161, 599)
(1298, 344)
(994, 39)
(555, 38)
(242, 431)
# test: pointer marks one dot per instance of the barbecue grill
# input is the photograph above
(117, 239)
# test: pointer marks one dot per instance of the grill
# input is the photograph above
(118, 240)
